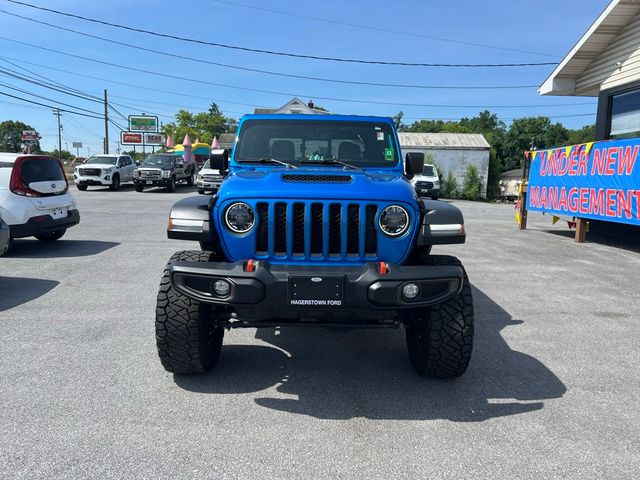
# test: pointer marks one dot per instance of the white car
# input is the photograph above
(208, 179)
(427, 184)
(104, 170)
(34, 197)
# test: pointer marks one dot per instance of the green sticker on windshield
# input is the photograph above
(388, 154)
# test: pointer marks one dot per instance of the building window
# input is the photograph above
(625, 115)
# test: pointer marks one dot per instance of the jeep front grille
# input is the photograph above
(316, 230)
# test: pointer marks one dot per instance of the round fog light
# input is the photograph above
(221, 287)
(410, 290)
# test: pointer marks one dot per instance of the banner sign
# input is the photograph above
(153, 139)
(596, 180)
(130, 138)
(77, 144)
(29, 135)
(143, 123)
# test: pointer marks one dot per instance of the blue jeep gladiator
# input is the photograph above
(317, 224)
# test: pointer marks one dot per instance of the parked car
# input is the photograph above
(104, 170)
(316, 224)
(5, 236)
(427, 183)
(208, 179)
(163, 170)
(34, 197)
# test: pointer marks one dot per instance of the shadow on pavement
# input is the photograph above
(611, 234)
(342, 374)
(15, 291)
(28, 248)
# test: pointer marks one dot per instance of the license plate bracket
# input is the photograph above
(149, 182)
(316, 291)
(58, 213)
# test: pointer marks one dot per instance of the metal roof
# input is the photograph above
(452, 141)
(600, 34)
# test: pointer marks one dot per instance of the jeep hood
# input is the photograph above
(317, 183)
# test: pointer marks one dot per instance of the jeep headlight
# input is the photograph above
(239, 217)
(394, 220)
(136, 173)
(199, 179)
(107, 170)
(166, 174)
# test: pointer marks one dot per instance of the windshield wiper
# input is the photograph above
(331, 161)
(272, 160)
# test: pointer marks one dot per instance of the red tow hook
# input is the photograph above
(250, 266)
(383, 268)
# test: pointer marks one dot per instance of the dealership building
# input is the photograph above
(605, 63)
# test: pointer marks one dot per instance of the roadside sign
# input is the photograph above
(153, 139)
(143, 123)
(29, 135)
(77, 144)
(130, 138)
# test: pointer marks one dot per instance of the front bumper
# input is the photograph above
(45, 224)
(214, 186)
(267, 292)
(105, 180)
(155, 182)
(428, 191)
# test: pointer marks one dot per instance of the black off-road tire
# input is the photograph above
(440, 338)
(187, 336)
(139, 187)
(115, 183)
(51, 236)
(171, 186)
(201, 191)
(81, 186)
(191, 179)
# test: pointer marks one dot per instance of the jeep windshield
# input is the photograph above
(158, 161)
(323, 142)
(103, 160)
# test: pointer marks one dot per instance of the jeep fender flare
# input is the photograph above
(442, 224)
(190, 219)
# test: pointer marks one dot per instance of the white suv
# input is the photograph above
(34, 197)
(427, 184)
(208, 179)
(104, 170)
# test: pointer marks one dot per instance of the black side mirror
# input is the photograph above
(219, 160)
(414, 163)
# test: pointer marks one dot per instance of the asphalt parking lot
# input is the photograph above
(551, 392)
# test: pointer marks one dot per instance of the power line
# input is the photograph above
(381, 29)
(115, 82)
(270, 72)
(44, 85)
(274, 52)
(286, 94)
(27, 92)
(45, 105)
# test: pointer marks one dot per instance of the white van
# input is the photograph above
(34, 197)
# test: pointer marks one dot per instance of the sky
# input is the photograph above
(411, 31)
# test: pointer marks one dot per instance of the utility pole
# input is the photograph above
(106, 123)
(57, 114)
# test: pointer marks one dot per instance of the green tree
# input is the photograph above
(526, 132)
(11, 136)
(582, 135)
(472, 184)
(202, 125)
(450, 186)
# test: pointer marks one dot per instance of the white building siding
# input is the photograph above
(603, 72)
(456, 161)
